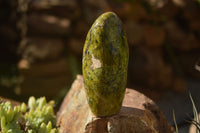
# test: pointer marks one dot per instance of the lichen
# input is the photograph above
(37, 117)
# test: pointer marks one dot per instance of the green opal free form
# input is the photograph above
(105, 61)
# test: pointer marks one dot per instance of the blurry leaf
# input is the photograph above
(175, 122)
(197, 66)
(196, 116)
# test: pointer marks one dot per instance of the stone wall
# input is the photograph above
(163, 37)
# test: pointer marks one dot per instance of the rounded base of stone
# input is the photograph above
(105, 114)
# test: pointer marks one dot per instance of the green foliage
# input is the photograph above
(38, 117)
(9, 117)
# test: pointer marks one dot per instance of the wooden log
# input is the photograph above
(138, 114)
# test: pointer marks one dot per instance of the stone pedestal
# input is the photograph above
(138, 114)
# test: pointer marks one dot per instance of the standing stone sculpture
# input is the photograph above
(105, 62)
(93, 104)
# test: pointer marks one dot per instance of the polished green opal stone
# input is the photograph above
(105, 61)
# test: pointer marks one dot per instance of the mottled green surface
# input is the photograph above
(105, 61)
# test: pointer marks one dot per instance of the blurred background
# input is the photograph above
(41, 44)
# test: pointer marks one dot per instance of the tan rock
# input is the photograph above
(180, 3)
(138, 114)
(48, 25)
(40, 49)
(157, 3)
(14, 103)
(50, 3)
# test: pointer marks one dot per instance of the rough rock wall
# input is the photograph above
(163, 37)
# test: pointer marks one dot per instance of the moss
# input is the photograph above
(105, 61)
